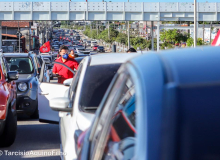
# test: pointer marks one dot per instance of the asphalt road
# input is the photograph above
(35, 141)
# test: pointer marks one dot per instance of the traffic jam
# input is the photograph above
(115, 106)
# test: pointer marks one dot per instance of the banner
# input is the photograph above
(45, 47)
(216, 41)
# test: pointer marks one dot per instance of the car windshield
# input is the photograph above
(95, 84)
(21, 64)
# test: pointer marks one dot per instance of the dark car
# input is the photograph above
(101, 49)
(8, 115)
(159, 106)
(28, 67)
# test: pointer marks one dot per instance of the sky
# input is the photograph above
(111, 0)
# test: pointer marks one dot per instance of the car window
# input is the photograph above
(4, 67)
(116, 126)
(36, 64)
(21, 64)
(74, 84)
(95, 84)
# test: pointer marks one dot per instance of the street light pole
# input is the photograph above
(195, 23)
(128, 34)
(108, 31)
(19, 37)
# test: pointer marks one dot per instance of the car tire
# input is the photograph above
(9, 134)
(35, 115)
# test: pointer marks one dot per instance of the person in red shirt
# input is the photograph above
(62, 72)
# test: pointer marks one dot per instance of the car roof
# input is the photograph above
(181, 65)
(111, 58)
(16, 54)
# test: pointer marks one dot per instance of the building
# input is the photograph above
(9, 32)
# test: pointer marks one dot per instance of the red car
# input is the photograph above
(8, 115)
(95, 47)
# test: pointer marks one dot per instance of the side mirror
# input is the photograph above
(12, 75)
(60, 104)
(68, 82)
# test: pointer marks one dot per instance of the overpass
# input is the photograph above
(108, 11)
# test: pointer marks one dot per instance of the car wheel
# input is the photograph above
(9, 134)
(35, 115)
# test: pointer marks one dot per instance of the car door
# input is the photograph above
(115, 125)
(47, 91)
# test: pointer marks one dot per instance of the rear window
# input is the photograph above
(21, 64)
(95, 84)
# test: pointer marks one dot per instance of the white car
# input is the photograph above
(79, 50)
(93, 43)
(77, 104)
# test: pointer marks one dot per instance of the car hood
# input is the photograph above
(24, 77)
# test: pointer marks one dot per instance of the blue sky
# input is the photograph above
(113, 0)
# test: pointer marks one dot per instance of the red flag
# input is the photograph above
(216, 41)
(45, 47)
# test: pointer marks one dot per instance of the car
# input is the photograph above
(88, 43)
(82, 96)
(8, 115)
(157, 106)
(95, 47)
(49, 63)
(80, 49)
(93, 43)
(29, 69)
(100, 49)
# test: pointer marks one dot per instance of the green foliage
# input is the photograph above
(139, 42)
(122, 38)
(173, 36)
(166, 45)
(200, 42)
(148, 44)
(189, 42)
(78, 27)
(104, 35)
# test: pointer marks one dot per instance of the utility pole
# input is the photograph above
(108, 30)
(97, 27)
(195, 23)
(152, 35)
(19, 37)
(203, 31)
(128, 34)
(210, 32)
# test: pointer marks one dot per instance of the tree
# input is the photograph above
(104, 35)
(139, 42)
(122, 38)
(190, 42)
(173, 36)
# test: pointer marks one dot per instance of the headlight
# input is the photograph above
(22, 86)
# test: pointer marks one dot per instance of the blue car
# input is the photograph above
(159, 106)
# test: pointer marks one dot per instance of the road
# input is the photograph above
(35, 141)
